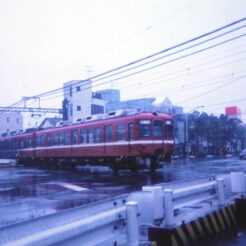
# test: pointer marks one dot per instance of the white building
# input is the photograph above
(34, 120)
(10, 122)
(80, 101)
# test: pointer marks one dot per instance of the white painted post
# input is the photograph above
(245, 182)
(221, 191)
(237, 182)
(168, 207)
(157, 194)
(132, 223)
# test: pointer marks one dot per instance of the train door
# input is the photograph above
(130, 135)
(33, 143)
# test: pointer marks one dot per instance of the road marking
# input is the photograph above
(70, 186)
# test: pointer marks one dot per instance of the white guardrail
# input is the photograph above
(117, 221)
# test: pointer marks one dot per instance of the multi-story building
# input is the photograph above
(141, 104)
(79, 100)
(35, 120)
(110, 95)
(10, 122)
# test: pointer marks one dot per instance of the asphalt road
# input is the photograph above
(27, 193)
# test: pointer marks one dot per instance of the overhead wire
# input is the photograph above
(150, 56)
(168, 79)
(209, 91)
(173, 53)
(158, 65)
(148, 28)
(158, 53)
(181, 73)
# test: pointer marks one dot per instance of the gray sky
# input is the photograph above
(45, 43)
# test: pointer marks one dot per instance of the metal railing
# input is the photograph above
(116, 221)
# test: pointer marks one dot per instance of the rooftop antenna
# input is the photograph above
(89, 71)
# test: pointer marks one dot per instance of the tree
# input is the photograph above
(210, 134)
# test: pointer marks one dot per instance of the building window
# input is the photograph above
(97, 109)
(17, 120)
(71, 91)
(71, 109)
(78, 108)
(77, 88)
(7, 119)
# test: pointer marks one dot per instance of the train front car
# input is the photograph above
(154, 143)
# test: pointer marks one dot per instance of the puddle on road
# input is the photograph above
(32, 192)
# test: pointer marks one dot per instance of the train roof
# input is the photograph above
(114, 116)
(94, 121)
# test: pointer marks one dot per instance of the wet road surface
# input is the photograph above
(27, 193)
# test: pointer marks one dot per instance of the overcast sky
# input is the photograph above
(44, 43)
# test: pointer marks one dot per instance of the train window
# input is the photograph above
(14, 146)
(144, 128)
(108, 133)
(21, 143)
(67, 138)
(130, 131)
(168, 129)
(98, 135)
(29, 142)
(75, 136)
(157, 129)
(40, 140)
(61, 138)
(25, 143)
(90, 136)
(37, 141)
(56, 139)
(121, 132)
(83, 136)
(48, 137)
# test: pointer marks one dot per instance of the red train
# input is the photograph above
(130, 141)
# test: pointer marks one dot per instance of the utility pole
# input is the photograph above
(25, 99)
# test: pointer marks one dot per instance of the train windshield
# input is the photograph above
(144, 128)
(168, 129)
(157, 129)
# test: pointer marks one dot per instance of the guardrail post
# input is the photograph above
(157, 208)
(238, 182)
(168, 207)
(221, 191)
(132, 223)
